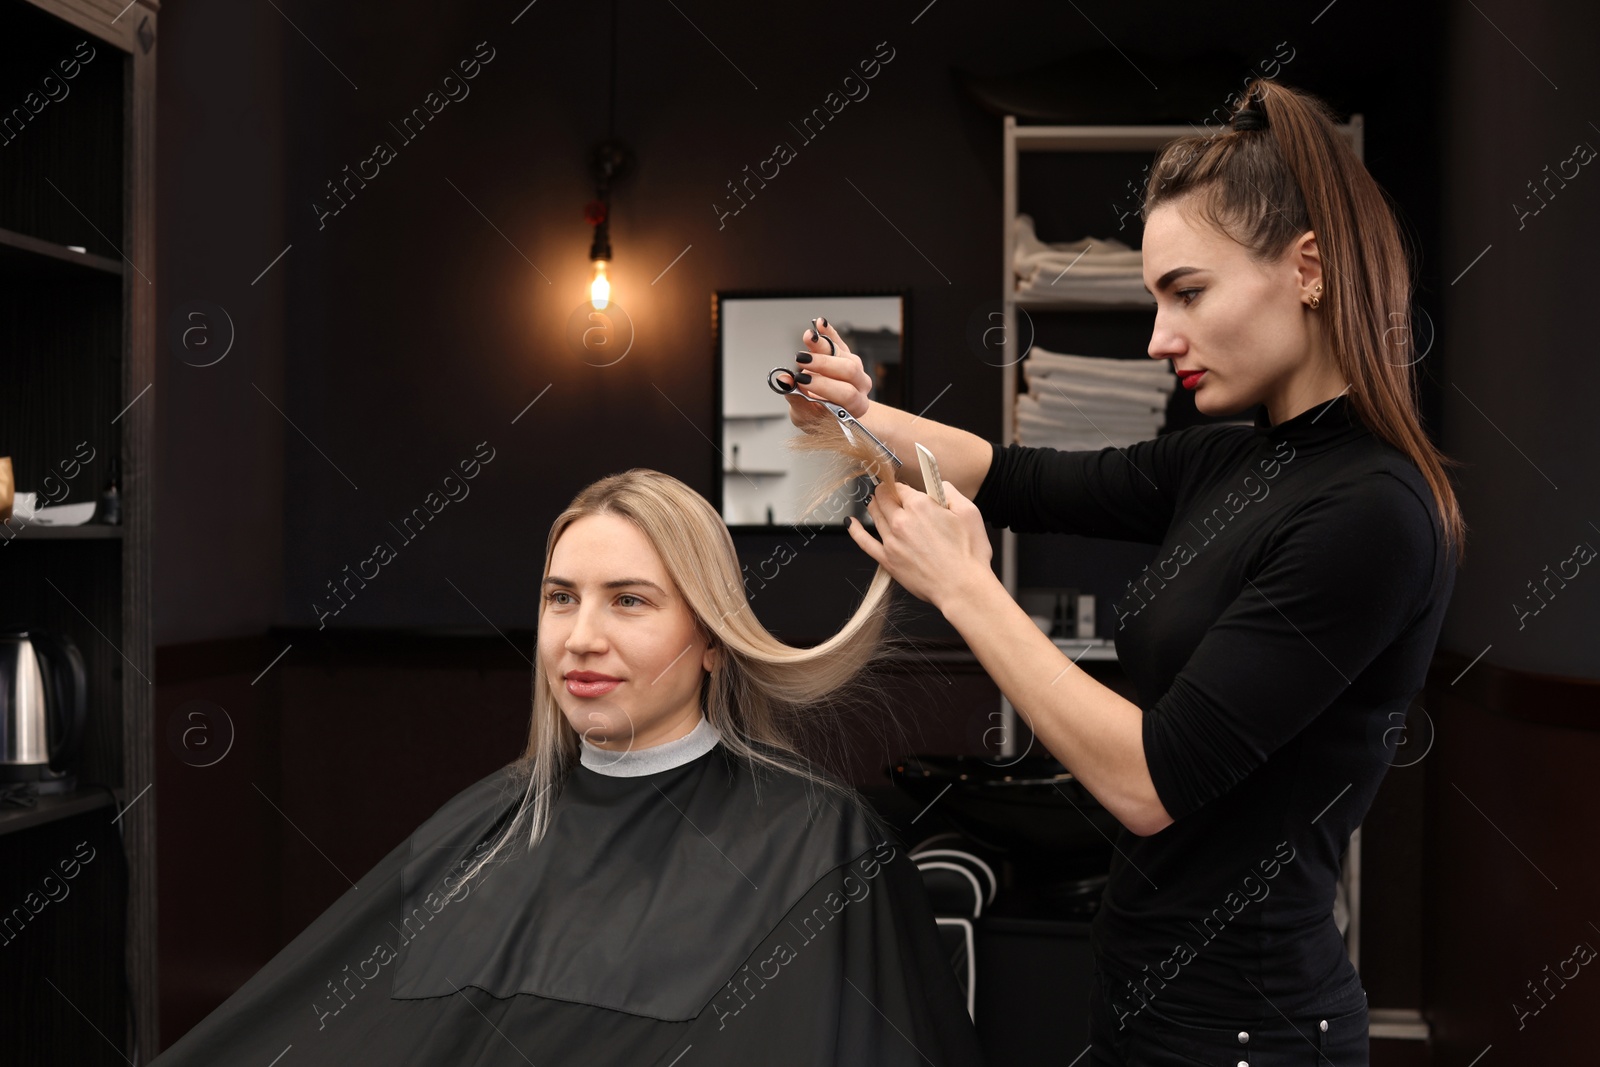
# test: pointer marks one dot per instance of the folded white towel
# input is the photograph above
(1129, 296)
(1092, 427)
(1095, 255)
(1049, 383)
(1148, 372)
(1091, 272)
(1047, 418)
(1054, 393)
(1078, 402)
(1080, 267)
(1069, 413)
(1080, 442)
(1056, 407)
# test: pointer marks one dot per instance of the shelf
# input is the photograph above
(22, 256)
(53, 807)
(1098, 138)
(1056, 303)
(1073, 646)
(89, 531)
(1129, 138)
(1405, 1024)
(728, 472)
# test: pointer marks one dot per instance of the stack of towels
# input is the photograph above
(1090, 402)
(1093, 272)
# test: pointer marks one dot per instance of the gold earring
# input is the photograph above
(1316, 301)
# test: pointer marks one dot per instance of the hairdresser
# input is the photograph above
(1274, 656)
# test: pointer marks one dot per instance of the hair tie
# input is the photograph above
(1249, 117)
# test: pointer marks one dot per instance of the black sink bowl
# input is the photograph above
(1032, 809)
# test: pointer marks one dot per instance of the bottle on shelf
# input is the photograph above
(108, 509)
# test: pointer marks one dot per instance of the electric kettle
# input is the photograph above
(44, 702)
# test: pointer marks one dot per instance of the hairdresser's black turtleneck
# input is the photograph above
(1275, 641)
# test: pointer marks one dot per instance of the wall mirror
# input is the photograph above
(762, 482)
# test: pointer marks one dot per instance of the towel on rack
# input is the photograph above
(1048, 383)
(1092, 270)
(1136, 429)
(1078, 402)
(1055, 392)
(1089, 421)
(1091, 441)
(1090, 257)
(1054, 290)
(1042, 362)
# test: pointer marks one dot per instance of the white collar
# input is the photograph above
(637, 761)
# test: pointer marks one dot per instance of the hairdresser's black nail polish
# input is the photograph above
(803, 379)
(811, 335)
(823, 321)
(802, 357)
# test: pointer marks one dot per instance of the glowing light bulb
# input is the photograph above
(600, 287)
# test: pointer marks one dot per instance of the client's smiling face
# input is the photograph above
(617, 642)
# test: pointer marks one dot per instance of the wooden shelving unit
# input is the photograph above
(64, 533)
(77, 350)
(53, 808)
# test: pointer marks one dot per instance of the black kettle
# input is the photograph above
(44, 703)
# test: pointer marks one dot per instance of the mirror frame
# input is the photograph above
(717, 361)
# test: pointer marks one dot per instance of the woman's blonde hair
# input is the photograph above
(771, 702)
(1266, 187)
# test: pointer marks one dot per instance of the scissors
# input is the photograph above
(847, 421)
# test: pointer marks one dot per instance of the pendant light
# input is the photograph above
(611, 160)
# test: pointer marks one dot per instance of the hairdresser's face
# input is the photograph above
(1244, 323)
(610, 609)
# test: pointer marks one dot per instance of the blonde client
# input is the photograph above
(661, 877)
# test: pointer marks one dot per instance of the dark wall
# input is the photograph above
(221, 215)
(1516, 338)
(1510, 879)
(1510, 885)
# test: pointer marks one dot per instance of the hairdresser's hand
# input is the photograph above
(838, 378)
(937, 554)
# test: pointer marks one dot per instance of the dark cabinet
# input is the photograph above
(77, 340)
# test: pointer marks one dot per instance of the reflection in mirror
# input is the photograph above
(763, 482)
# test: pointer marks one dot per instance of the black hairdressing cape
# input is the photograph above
(713, 913)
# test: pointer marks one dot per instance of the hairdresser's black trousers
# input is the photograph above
(1151, 1039)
